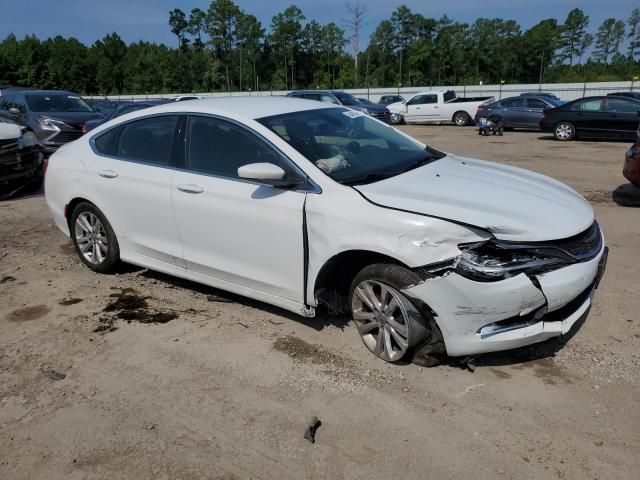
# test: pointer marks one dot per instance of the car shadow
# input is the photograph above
(319, 322)
(627, 195)
(590, 140)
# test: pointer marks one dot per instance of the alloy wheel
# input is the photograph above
(564, 131)
(461, 119)
(91, 238)
(396, 118)
(381, 316)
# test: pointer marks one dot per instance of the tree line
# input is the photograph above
(228, 49)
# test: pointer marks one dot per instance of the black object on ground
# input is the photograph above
(310, 432)
(217, 298)
(53, 375)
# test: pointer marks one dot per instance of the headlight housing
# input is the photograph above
(491, 261)
(51, 124)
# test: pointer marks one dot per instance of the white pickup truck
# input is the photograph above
(436, 106)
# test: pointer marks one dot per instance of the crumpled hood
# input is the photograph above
(512, 203)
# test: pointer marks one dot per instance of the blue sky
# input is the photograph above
(90, 20)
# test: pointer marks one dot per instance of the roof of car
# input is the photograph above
(247, 107)
(45, 92)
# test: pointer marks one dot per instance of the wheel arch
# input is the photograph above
(332, 283)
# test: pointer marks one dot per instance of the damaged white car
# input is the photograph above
(301, 204)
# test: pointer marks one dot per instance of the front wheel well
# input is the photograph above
(332, 284)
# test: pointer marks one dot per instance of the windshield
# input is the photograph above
(57, 103)
(346, 98)
(348, 146)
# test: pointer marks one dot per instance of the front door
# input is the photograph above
(242, 232)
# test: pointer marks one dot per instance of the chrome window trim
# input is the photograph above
(312, 187)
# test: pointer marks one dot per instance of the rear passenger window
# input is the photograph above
(148, 140)
(107, 143)
(220, 148)
(512, 102)
(588, 106)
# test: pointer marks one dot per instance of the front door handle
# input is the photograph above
(190, 188)
(108, 173)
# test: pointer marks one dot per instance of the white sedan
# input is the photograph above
(303, 204)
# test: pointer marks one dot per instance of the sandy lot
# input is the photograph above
(224, 390)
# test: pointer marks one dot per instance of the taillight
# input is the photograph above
(84, 128)
(45, 165)
(481, 109)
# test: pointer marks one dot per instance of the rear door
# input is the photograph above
(623, 117)
(513, 112)
(245, 233)
(131, 184)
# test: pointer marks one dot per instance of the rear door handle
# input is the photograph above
(108, 173)
(190, 188)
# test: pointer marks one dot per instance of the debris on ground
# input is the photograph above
(105, 325)
(53, 375)
(310, 432)
(217, 298)
(69, 301)
(7, 278)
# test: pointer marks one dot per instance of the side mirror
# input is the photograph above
(268, 173)
(14, 111)
(10, 131)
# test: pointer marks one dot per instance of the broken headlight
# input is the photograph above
(490, 261)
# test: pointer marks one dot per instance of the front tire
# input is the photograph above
(461, 119)
(396, 119)
(389, 324)
(564, 131)
(94, 238)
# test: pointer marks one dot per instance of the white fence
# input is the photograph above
(566, 91)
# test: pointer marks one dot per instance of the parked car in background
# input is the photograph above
(635, 95)
(593, 117)
(312, 204)
(21, 159)
(518, 112)
(103, 106)
(437, 106)
(339, 97)
(389, 99)
(631, 170)
(541, 94)
(56, 117)
(182, 98)
(122, 109)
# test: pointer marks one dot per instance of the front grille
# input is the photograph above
(67, 136)
(582, 246)
(6, 145)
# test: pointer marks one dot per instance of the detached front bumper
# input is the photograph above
(480, 317)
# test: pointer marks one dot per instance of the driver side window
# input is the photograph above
(423, 100)
(218, 147)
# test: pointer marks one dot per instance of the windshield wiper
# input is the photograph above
(370, 177)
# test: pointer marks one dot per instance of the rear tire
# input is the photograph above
(564, 131)
(461, 119)
(389, 324)
(94, 238)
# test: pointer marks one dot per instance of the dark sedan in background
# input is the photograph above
(21, 159)
(631, 170)
(524, 111)
(339, 97)
(593, 117)
(122, 109)
(56, 117)
(635, 95)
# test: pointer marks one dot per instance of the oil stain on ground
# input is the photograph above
(301, 351)
(128, 305)
(28, 313)
(547, 370)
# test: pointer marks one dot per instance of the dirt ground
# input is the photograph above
(224, 390)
